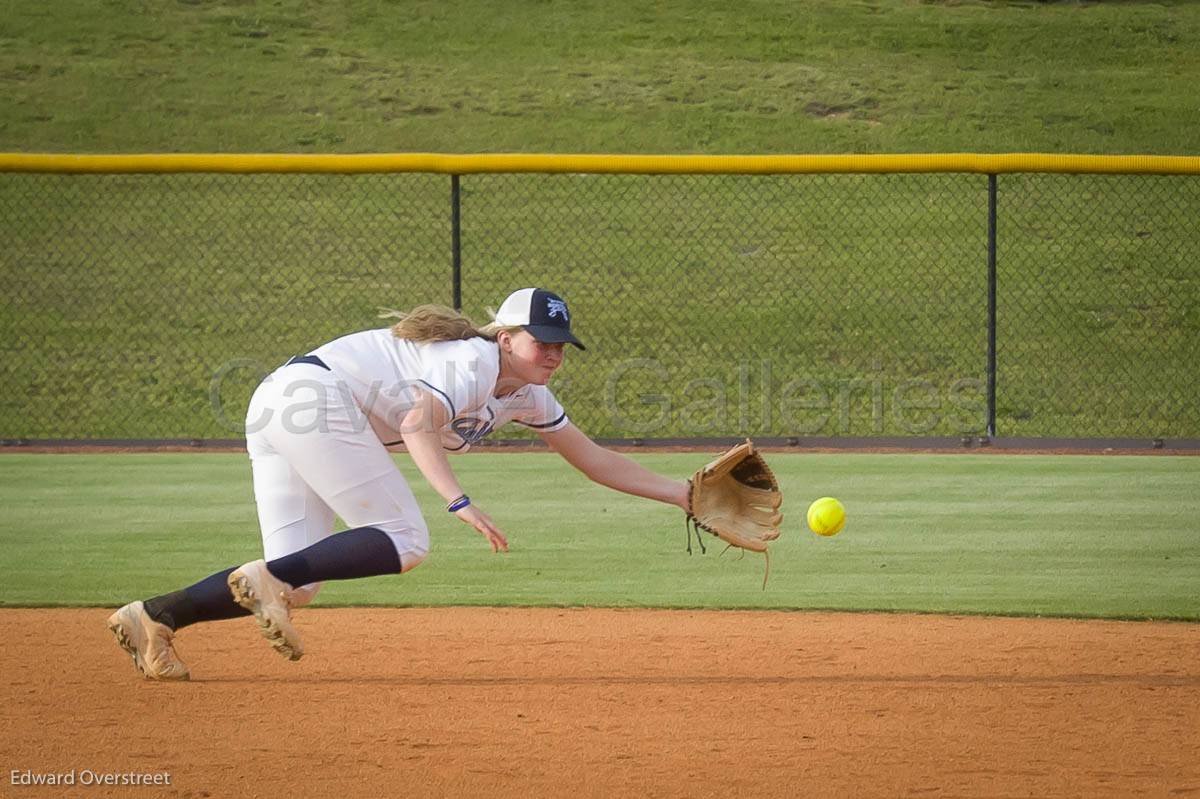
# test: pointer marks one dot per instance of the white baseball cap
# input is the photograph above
(542, 313)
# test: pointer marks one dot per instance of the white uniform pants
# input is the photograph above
(315, 456)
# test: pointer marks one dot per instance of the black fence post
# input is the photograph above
(991, 312)
(456, 242)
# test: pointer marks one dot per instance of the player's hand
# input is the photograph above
(484, 524)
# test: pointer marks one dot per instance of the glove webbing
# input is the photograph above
(692, 524)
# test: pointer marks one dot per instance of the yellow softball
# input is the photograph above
(826, 516)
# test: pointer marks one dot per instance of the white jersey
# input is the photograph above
(385, 374)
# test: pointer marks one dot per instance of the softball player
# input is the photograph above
(318, 431)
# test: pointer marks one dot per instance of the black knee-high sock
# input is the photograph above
(361, 552)
(207, 600)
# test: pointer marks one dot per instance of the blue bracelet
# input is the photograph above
(458, 504)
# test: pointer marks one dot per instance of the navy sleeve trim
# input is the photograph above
(543, 426)
(449, 404)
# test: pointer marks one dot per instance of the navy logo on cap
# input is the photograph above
(548, 319)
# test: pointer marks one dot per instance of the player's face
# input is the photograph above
(533, 361)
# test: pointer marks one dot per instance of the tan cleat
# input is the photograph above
(269, 599)
(148, 643)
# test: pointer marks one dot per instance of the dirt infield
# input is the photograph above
(607, 703)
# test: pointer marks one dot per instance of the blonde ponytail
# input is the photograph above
(429, 323)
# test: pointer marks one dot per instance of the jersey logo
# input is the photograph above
(471, 431)
(556, 308)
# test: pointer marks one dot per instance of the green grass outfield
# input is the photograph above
(128, 296)
(772, 76)
(1104, 536)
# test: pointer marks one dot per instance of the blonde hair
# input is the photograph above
(429, 323)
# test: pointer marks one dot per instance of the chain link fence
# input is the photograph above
(148, 306)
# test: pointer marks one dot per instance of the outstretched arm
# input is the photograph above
(614, 470)
(422, 437)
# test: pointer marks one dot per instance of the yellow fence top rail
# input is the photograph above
(599, 164)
